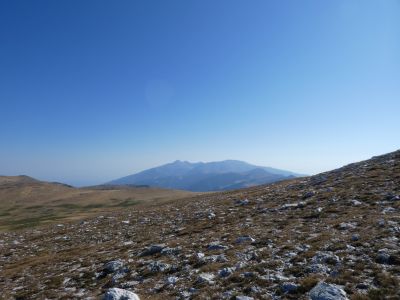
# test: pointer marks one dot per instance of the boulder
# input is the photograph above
(120, 294)
(326, 291)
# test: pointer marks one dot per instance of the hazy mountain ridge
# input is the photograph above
(200, 177)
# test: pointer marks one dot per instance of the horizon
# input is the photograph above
(191, 162)
(93, 91)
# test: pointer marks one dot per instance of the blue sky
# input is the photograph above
(94, 90)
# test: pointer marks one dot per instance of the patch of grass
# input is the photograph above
(127, 202)
(34, 207)
(307, 283)
(94, 205)
(69, 206)
(29, 222)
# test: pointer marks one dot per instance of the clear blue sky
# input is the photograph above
(94, 90)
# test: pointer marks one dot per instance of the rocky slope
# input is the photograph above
(330, 236)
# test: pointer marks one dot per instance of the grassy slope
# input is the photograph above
(26, 202)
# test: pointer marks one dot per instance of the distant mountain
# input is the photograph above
(201, 177)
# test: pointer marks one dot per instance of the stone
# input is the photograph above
(120, 294)
(118, 275)
(325, 258)
(242, 202)
(241, 297)
(206, 278)
(355, 202)
(200, 255)
(346, 226)
(308, 194)
(157, 266)
(317, 268)
(153, 249)
(326, 291)
(170, 251)
(300, 204)
(244, 239)
(363, 286)
(171, 280)
(225, 272)
(113, 266)
(216, 246)
(211, 216)
(221, 258)
(383, 257)
(289, 287)
(387, 210)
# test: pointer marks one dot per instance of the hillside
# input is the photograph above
(334, 234)
(25, 201)
(203, 177)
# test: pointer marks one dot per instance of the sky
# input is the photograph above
(94, 90)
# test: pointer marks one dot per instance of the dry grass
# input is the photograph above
(25, 202)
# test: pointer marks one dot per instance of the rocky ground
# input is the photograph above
(330, 236)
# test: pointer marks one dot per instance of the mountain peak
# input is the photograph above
(210, 176)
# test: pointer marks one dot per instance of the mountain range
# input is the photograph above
(202, 177)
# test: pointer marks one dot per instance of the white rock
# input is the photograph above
(206, 278)
(355, 202)
(326, 291)
(171, 280)
(244, 298)
(120, 294)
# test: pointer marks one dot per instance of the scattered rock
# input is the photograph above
(120, 294)
(170, 251)
(206, 278)
(153, 249)
(171, 280)
(355, 202)
(242, 202)
(289, 287)
(243, 239)
(157, 266)
(113, 266)
(216, 246)
(225, 272)
(346, 226)
(326, 291)
(244, 298)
